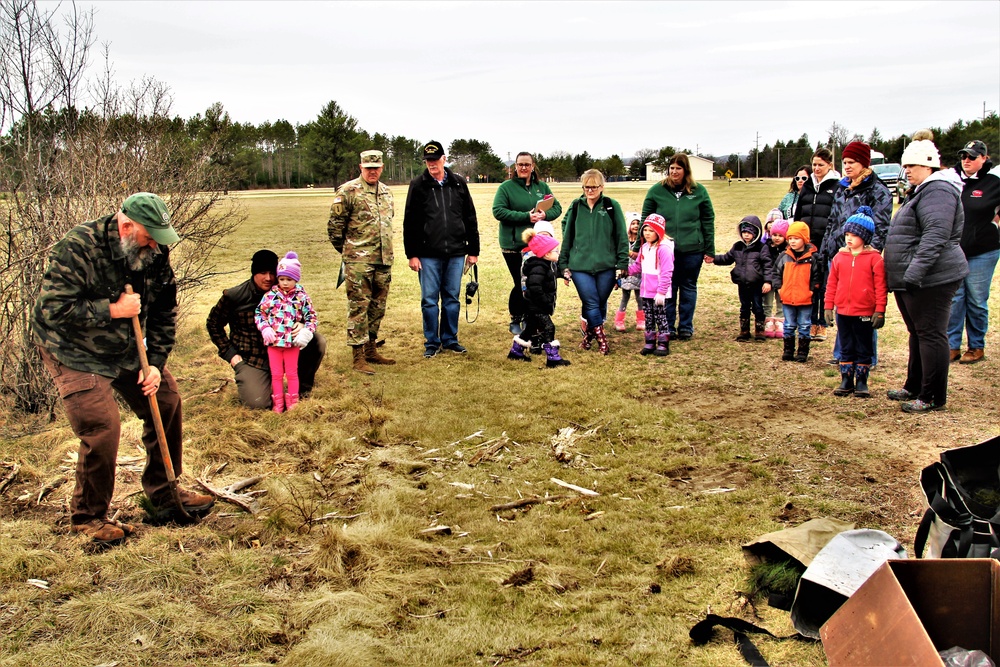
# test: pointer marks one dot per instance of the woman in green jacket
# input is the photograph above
(515, 208)
(595, 244)
(690, 218)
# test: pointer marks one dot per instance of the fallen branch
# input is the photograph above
(50, 486)
(574, 487)
(488, 449)
(9, 479)
(245, 501)
(334, 516)
(524, 502)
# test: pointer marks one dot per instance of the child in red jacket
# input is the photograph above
(856, 287)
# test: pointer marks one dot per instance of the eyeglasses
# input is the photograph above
(592, 187)
(521, 165)
(966, 156)
(802, 178)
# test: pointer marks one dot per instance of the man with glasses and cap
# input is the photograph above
(981, 245)
(82, 326)
(243, 347)
(439, 231)
(360, 229)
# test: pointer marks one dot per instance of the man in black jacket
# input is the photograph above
(440, 236)
(243, 347)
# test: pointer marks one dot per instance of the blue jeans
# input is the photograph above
(687, 268)
(969, 305)
(797, 317)
(440, 278)
(594, 290)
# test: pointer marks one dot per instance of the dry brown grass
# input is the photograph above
(337, 569)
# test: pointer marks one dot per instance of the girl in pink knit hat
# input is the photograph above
(774, 322)
(278, 313)
(655, 262)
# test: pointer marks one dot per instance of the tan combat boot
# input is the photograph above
(360, 363)
(372, 354)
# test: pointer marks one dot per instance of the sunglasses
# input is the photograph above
(802, 178)
(966, 156)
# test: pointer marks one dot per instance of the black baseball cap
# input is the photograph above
(433, 150)
(974, 148)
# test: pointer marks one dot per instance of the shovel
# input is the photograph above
(154, 408)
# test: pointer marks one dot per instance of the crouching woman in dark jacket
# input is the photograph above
(924, 265)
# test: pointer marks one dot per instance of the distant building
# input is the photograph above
(701, 169)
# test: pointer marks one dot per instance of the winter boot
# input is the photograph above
(788, 354)
(620, 320)
(779, 327)
(758, 328)
(374, 356)
(588, 338)
(861, 380)
(802, 356)
(518, 350)
(769, 327)
(602, 340)
(552, 358)
(640, 320)
(291, 400)
(650, 345)
(662, 344)
(360, 363)
(278, 403)
(820, 334)
(744, 330)
(846, 387)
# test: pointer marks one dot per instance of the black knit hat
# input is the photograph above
(264, 261)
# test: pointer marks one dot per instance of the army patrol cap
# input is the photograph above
(433, 150)
(370, 159)
(149, 211)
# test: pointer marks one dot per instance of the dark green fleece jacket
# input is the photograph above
(690, 217)
(593, 240)
(512, 208)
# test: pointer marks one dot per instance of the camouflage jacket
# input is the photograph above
(86, 272)
(360, 225)
(236, 310)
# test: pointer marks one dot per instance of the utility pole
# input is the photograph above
(756, 169)
(779, 161)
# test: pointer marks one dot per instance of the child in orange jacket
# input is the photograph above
(796, 276)
(857, 287)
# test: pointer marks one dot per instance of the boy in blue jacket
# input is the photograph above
(752, 274)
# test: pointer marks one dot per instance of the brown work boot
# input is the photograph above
(374, 356)
(360, 363)
(190, 500)
(972, 356)
(103, 531)
(954, 355)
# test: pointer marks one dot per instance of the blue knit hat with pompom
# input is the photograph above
(861, 224)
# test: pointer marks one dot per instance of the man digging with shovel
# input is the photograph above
(82, 324)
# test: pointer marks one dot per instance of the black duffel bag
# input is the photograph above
(963, 498)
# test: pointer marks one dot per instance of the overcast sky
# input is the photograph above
(572, 76)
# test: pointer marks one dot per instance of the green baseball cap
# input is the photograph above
(149, 211)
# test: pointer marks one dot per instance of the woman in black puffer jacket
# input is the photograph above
(924, 265)
(814, 208)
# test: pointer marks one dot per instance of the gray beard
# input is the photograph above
(139, 259)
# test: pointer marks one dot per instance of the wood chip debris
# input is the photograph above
(564, 440)
(489, 449)
(246, 501)
(437, 530)
(574, 487)
(39, 583)
(718, 489)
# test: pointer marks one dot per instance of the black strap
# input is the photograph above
(702, 631)
(923, 530)
(475, 278)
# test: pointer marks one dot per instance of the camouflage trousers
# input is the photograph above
(367, 293)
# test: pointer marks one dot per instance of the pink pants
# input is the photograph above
(284, 362)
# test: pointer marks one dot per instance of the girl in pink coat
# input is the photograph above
(656, 264)
(278, 313)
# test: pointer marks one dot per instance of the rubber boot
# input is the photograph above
(802, 356)
(372, 355)
(662, 344)
(779, 327)
(588, 338)
(769, 327)
(602, 340)
(650, 345)
(788, 354)
(519, 350)
(291, 400)
(620, 320)
(277, 403)
(640, 320)
(744, 330)
(758, 328)
(552, 358)
(846, 387)
(360, 363)
(861, 380)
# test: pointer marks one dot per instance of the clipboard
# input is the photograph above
(545, 203)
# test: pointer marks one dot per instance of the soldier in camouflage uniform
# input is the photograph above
(360, 228)
(82, 325)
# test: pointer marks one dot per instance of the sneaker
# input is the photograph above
(833, 362)
(899, 395)
(430, 352)
(954, 355)
(917, 406)
(684, 335)
(103, 531)
(455, 347)
(972, 356)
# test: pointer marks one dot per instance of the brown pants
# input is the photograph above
(93, 413)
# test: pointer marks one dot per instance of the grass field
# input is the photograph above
(690, 455)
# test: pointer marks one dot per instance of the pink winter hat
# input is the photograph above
(657, 223)
(779, 227)
(542, 245)
(289, 267)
